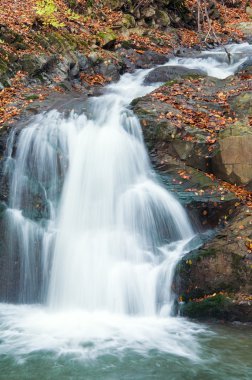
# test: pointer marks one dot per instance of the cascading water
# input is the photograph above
(115, 221)
(101, 259)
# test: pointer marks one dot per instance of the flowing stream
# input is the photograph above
(93, 240)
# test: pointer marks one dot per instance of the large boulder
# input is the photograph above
(165, 134)
(216, 280)
(131, 59)
(233, 161)
(167, 73)
(181, 156)
(205, 122)
(246, 29)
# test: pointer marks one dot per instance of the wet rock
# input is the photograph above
(131, 59)
(93, 57)
(233, 161)
(10, 274)
(207, 203)
(242, 104)
(108, 69)
(172, 154)
(165, 138)
(218, 307)
(229, 156)
(168, 73)
(221, 268)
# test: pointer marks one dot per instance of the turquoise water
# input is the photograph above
(225, 354)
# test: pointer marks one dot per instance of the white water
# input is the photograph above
(115, 221)
(215, 63)
(102, 259)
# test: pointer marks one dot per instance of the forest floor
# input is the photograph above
(29, 28)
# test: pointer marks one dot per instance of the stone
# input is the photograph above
(148, 12)
(168, 73)
(82, 61)
(74, 70)
(94, 57)
(233, 162)
(109, 70)
(249, 11)
(107, 37)
(36, 64)
(221, 266)
(246, 28)
(163, 18)
(242, 104)
(128, 21)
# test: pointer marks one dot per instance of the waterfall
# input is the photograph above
(112, 240)
(91, 234)
(117, 225)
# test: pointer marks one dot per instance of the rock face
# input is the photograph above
(222, 269)
(233, 161)
(168, 130)
(246, 28)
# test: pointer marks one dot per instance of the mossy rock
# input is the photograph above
(62, 42)
(128, 21)
(163, 18)
(32, 97)
(41, 40)
(242, 104)
(217, 307)
(107, 36)
(10, 37)
(30, 63)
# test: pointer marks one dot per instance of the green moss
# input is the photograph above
(107, 36)
(129, 21)
(212, 307)
(31, 97)
(198, 255)
(170, 82)
(193, 76)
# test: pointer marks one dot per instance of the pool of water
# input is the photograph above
(224, 353)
